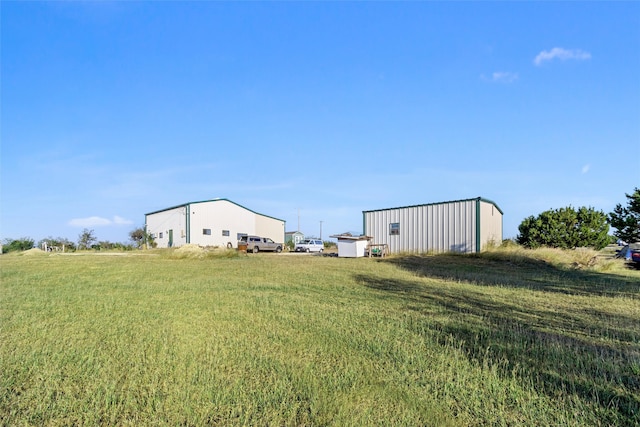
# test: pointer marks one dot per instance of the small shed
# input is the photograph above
(352, 246)
(293, 236)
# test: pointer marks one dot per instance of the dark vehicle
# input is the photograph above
(630, 252)
(256, 244)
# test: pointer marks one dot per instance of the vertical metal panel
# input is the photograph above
(490, 224)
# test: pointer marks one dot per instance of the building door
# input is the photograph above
(170, 238)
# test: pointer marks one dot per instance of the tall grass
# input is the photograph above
(301, 340)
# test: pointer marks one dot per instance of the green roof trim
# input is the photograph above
(478, 244)
(188, 223)
(476, 199)
(186, 205)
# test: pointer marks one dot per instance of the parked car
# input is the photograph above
(256, 244)
(310, 245)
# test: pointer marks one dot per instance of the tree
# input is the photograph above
(565, 228)
(14, 245)
(86, 239)
(626, 220)
(140, 237)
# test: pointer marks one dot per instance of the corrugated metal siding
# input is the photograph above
(444, 227)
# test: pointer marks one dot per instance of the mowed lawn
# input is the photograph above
(153, 339)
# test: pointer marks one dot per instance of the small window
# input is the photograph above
(161, 234)
(225, 233)
(206, 231)
(394, 229)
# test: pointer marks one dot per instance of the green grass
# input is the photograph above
(165, 338)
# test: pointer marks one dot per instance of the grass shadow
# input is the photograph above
(572, 352)
(518, 272)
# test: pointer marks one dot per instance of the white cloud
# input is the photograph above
(97, 221)
(562, 54)
(121, 221)
(500, 77)
(504, 77)
(586, 168)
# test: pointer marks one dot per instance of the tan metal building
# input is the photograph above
(217, 222)
(456, 226)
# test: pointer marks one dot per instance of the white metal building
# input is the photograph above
(456, 226)
(217, 222)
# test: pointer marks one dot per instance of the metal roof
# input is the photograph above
(348, 237)
(212, 200)
(440, 203)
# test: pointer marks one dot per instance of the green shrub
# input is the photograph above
(22, 244)
(565, 228)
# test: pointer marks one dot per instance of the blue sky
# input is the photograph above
(312, 111)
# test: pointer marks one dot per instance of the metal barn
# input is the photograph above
(217, 222)
(457, 226)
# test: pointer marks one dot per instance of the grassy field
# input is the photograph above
(169, 338)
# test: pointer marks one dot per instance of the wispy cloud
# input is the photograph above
(501, 77)
(586, 168)
(97, 221)
(561, 54)
(118, 220)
